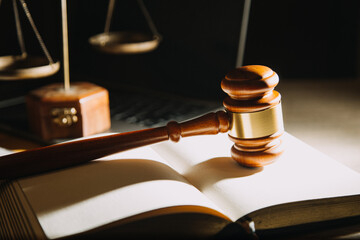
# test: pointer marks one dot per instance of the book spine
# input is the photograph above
(15, 222)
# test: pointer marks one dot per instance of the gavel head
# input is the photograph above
(254, 109)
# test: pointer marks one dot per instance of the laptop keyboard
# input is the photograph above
(154, 110)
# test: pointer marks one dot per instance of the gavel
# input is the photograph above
(252, 116)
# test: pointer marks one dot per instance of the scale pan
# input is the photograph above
(19, 68)
(124, 42)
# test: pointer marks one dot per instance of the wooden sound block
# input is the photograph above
(82, 110)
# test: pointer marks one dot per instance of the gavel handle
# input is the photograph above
(73, 153)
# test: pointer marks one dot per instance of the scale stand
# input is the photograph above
(62, 111)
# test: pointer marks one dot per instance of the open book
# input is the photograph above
(190, 188)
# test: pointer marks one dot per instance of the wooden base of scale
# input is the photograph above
(80, 111)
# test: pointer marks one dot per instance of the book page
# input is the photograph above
(85, 197)
(301, 173)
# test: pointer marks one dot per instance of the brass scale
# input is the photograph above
(24, 66)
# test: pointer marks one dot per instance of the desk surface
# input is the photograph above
(15, 143)
(326, 115)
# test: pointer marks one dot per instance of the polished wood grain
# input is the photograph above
(250, 89)
(68, 154)
(90, 101)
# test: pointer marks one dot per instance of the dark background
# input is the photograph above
(298, 39)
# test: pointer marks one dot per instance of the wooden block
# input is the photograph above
(55, 113)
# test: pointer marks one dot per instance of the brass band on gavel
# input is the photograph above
(256, 124)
